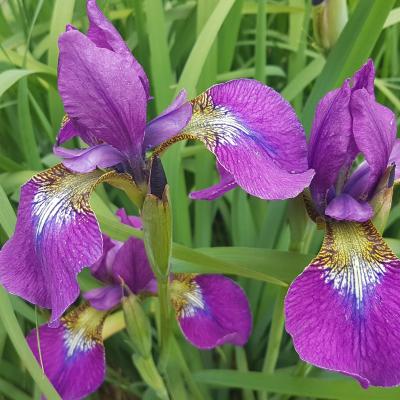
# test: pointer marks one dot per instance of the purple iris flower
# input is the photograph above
(343, 311)
(211, 310)
(253, 132)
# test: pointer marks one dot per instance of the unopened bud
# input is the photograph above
(157, 228)
(329, 19)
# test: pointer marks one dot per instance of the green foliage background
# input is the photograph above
(192, 44)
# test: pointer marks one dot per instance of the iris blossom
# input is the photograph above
(343, 311)
(211, 310)
(254, 134)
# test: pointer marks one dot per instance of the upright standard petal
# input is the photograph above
(374, 129)
(364, 78)
(330, 140)
(255, 136)
(72, 355)
(227, 182)
(103, 34)
(211, 310)
(343, 310)
(169, 123)
(102, 94)
(56, 236)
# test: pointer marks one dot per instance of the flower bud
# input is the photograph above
(329, 19)
(157, 228)
(137, 325)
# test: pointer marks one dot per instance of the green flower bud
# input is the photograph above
(157, 228)
(329, 19)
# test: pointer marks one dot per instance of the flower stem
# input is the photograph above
(165, 321)
(275, 337)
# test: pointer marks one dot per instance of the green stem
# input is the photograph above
(149, 373)
(261, 51)
(165, 321)
(275, 337)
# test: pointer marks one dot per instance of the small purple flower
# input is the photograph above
(253, 132)
(72, 355)
(343, 311)
(211, 310)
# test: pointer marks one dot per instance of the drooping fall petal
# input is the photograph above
(56, 235)
(343, 310)
(72, 355)
(211, 310)
(255, 135)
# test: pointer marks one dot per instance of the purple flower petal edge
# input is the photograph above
(169, 123)
(226, 183)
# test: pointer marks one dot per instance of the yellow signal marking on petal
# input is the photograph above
(84, 327)
(64, 120)
(353, 257)
(186, 295)
(213, 124)
(62, 191)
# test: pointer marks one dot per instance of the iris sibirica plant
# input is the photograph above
(343, 310)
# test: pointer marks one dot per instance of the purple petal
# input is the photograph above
(374, 128)
(395, 158)
(72, 354)
(131, 220)
(169, 123)
(103, 34)
(356, 184)
(226, 183)
(364, 78)
(211, 310)
(132, 266)
(102, 94)
(343, 311)
(102, 268)
(330, 140)
(104, 298)
(56, 235)
(87, 160)
(345, 207)
(255, 136)
(67, 131)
